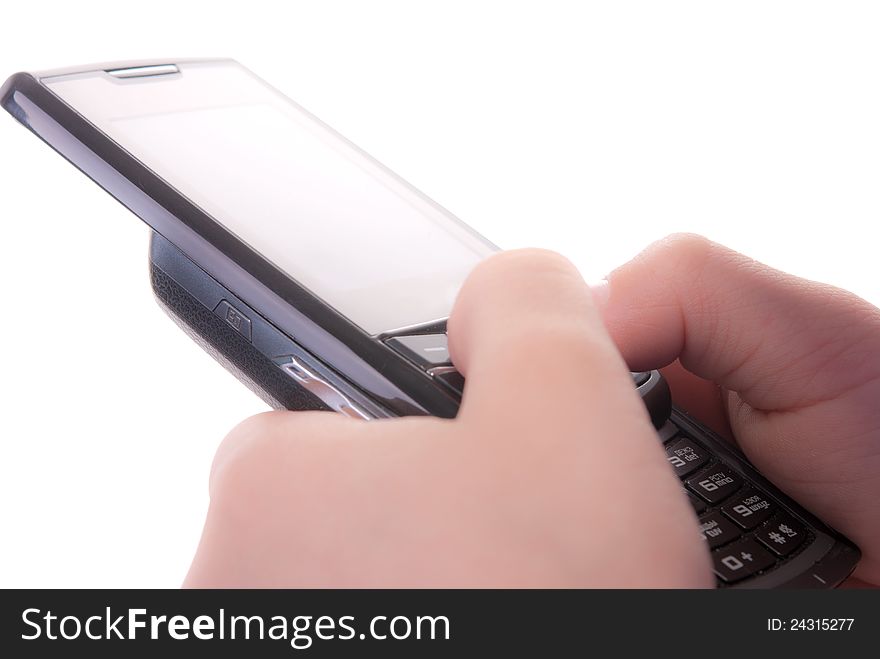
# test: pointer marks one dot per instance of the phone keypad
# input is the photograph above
(745, 530)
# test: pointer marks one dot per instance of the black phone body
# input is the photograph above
(232, 274)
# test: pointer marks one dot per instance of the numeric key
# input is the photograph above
(717, 530)
(748, 508)
(740, 560)
(714, 484)
(685, 456)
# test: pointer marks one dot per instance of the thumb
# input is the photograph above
(779, 341)
(800, 358)
(527, 335)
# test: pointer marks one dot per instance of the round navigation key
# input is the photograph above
(449, 376)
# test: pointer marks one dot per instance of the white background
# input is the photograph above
(591, 128)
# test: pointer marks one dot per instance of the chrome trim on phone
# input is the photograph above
(442, 370)
(144, 71)
(416, 328)
(326, 392)
(279, 311)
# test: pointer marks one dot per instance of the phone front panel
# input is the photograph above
(358, 250)
(328, 216)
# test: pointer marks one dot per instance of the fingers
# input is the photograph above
(275, 488)
(799, 361)
(779, 341)
(311, 499)
(316, 500)
(526, 334)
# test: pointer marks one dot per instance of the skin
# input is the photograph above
(552, 475)
(788, 368)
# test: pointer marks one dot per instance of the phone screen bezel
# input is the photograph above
(322, 330)
(394, 257)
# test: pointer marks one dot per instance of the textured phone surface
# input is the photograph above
(229, 348)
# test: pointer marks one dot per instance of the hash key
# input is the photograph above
(782, 535)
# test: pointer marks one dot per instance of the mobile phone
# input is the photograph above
(323, 281)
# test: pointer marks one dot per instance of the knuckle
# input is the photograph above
(262, 451)
(254, 426)
(558, 345)
(242, 449)
(533, 274)
(683, 258)
(686, 247)
(534, 278)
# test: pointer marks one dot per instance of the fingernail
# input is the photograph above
(601, 289)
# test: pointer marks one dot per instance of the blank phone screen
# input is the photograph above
(333, 219)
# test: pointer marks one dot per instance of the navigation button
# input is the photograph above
(450, 377)
(426, 350)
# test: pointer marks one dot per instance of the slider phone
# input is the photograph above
(323, 281)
